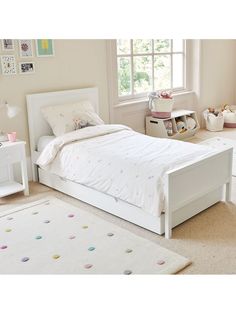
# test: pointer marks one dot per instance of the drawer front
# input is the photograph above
(9, 155)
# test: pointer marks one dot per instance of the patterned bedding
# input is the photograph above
(120, 162)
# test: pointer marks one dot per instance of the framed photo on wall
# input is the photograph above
(26, 67)
(7, 44)
(44, 48)
(8, 65)
(25, 48)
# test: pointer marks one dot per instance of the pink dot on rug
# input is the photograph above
(3, 247)
(71, 215)
(160, 262)
(72, 237)
(87, 266)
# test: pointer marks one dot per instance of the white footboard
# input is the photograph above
(191, 182)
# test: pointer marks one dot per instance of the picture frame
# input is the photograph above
(25, 48)
(45, 48)
(26, 67)
(7, 44)
(8, 64)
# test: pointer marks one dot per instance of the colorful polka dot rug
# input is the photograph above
(51, 236)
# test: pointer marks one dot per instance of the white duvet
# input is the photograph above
(122, 163)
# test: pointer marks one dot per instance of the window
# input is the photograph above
(145, 65)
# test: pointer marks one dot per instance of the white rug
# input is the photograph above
(54, 237)
(221, 142)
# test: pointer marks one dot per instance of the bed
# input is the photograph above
(202, 184)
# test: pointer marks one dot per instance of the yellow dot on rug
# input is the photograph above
(56, 256)
(8, 230)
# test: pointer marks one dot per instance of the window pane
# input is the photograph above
(177, 45)
(142, 45)
(162, 72)
(162, 45)
(178, 70)
(142, 74)
(124, 76)
(123, 46)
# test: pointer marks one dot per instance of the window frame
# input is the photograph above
(152, 54)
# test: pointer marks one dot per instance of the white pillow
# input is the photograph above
(67, 117)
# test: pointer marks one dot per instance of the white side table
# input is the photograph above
(11, 153)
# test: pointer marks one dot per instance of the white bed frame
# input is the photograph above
(191, 188)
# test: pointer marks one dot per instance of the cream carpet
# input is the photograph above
(207, 239)
(51, 236)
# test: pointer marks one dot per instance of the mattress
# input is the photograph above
(117, 161)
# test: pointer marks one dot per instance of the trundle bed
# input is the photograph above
(190, 189)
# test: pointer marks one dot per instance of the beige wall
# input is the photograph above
(77, 64)
(82, 63)
(217, 73)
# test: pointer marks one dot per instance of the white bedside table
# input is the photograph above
(11, 153)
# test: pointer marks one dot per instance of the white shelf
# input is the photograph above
(156, 126)
(10, 187)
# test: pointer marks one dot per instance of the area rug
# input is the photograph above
(51, 236)
(221, 142)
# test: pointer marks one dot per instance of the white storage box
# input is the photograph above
(230, 119)
(214, 123)
(162, 108)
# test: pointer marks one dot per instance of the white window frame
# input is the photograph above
(114, 98)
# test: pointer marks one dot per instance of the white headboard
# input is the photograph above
(38, 126)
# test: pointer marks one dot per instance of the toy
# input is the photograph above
(213, 111)
(79, 124)
(191, 123)
(226, 107)
(169, 127)
(181, 127)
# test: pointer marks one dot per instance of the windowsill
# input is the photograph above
(136, 101)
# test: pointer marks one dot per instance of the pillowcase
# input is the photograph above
(69, 117)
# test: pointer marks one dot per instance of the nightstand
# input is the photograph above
(12, 153)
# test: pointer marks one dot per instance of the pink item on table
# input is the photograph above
(11, 136)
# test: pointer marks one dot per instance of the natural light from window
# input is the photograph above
(145, 65)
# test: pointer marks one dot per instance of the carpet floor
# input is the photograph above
(207, 239)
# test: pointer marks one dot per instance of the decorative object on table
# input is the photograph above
(12, 111)
(223, 143)
(86, 244)
(11, 136)
(26, 67)
(181, 126)
(214, 119)
(8, 65)
(44, 48)
(161, 104)
(7, 44)
(25, 48)
(229, 114)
